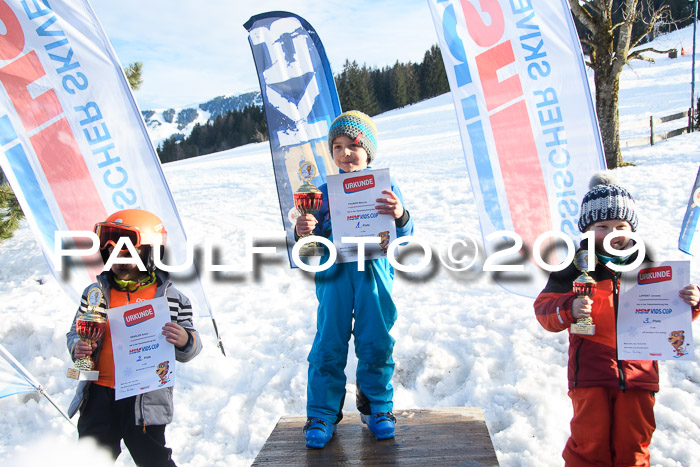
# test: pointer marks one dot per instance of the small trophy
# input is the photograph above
(584, 286)
(90, 327)
(308, 200)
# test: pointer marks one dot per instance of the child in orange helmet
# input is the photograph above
(139, 420)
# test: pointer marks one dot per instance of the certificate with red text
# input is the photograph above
(654, 323)
(143, 360)
(352, 197)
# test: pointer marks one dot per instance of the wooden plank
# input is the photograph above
(443, 436)
(669, 118)
(672, 133)
(628, 143)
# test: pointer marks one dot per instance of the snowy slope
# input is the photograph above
(461, 339)
(164, 123)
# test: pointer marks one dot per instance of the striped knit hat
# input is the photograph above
(358, 127)
(605, 201)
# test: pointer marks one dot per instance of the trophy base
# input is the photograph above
(311, 250)
(83, 375)
(584, 329)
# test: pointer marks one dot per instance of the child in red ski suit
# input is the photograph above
(613, 399)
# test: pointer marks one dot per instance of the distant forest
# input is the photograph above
(370, 90)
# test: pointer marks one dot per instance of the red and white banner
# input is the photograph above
(73, 143)
(526, 118)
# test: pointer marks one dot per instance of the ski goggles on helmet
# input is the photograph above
(109, 233)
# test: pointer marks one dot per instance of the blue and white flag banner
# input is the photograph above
(14, 378)
(73, 143)
(689, 240)
(300, 102)
(526, 118)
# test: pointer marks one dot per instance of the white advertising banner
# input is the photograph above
(526, 118)
(73, 143)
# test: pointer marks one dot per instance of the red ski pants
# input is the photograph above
(610, 427)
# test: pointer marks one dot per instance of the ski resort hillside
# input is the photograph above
(164, 123)
(461, 339)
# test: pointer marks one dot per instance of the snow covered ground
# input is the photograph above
(461, 339)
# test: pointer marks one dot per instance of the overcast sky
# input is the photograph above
(193, 51)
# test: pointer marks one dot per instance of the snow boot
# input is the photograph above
(318, 432)
(381, 424)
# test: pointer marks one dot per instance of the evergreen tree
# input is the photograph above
(413, 83)
(382, 88)
(356, 90)
(433, 78)
(10, 212)
(133, 75)
(226, 131)
(399, 86)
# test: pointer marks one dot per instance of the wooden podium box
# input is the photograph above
(443, 436)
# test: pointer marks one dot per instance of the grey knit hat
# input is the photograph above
(358, 127)
(606, 200)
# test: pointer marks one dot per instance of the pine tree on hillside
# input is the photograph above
(403, 85)
(356, 90)
(381, 84)
(433, 78)
(226, 131)
(399, 86)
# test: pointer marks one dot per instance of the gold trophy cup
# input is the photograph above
(90, 327)
(584, 286)
(308, 200)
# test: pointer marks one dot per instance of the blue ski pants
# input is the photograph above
(344, 294)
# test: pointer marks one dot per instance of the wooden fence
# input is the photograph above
(655, 137)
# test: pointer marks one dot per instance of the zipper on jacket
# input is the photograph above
(578, 353)
(620, 373)
(143, 418)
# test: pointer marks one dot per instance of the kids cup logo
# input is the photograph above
(354, 184)
(163, 372)
(676, 339)
(139, 315)
(652, 275)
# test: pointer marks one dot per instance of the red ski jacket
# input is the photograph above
(593, 359)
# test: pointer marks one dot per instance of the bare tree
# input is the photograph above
(612, 30)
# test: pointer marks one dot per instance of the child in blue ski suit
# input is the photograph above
(344, 294)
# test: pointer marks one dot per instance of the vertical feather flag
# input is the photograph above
(689, 241)
(72, 141)
(526, 118)
(300, 102)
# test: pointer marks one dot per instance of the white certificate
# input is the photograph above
(352, 197)
(654, 323)
(143, 360)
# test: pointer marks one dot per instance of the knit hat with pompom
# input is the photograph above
(606, 200)
(357, 126)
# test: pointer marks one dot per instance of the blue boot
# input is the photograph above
(381, 424)
(318, 432)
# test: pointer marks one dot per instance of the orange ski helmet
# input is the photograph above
(142, 228)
